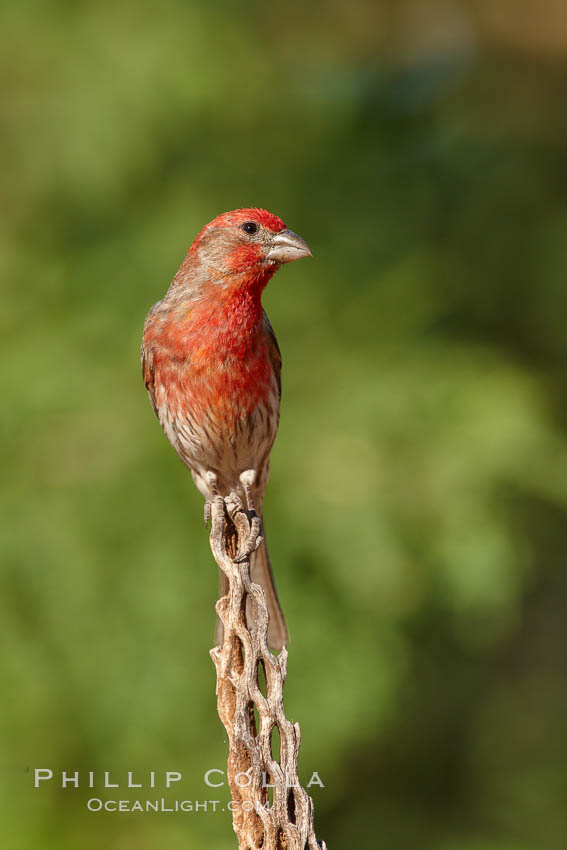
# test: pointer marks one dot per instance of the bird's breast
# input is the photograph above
(216, 391)
(213, 373)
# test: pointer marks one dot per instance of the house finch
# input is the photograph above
(211, 365)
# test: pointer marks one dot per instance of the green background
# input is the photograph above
(417, 509)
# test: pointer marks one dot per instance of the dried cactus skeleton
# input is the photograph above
(271, 810)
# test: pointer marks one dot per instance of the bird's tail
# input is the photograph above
(261, 573)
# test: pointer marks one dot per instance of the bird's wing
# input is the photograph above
(147, 356)
(275, 355)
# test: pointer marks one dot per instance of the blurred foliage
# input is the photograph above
(417, 510)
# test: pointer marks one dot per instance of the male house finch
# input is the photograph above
(211, 365)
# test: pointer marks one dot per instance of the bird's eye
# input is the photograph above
(250, 227)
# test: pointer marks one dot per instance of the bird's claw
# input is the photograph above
(253, 542)
(247, 479)
(233, 506)
(207, 507)
(212, 481)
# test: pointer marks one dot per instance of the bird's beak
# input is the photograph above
(287, 246)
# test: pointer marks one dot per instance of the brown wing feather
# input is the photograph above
(147, 357)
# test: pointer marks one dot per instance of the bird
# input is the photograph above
(212, 368)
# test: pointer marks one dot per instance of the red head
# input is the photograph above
(248, 242)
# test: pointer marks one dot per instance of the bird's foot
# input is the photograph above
(248, 479)
(253, 542)
(211, 480)
(245, 519)
(207, 508)
(254, 538)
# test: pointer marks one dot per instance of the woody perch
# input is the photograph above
(212, 365)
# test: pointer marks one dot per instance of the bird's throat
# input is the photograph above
(227, 322)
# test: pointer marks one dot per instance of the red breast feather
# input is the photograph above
(212, 356)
